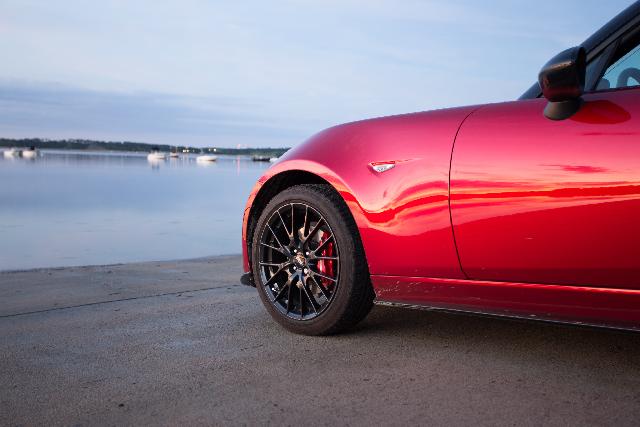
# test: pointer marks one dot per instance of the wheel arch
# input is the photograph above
(280, 182)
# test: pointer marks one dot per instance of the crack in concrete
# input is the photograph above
(110, 301)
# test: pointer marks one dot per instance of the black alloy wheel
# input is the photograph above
(308, 262)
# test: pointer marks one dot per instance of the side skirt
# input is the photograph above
(604, 307)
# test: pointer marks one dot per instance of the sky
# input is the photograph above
(266, 73)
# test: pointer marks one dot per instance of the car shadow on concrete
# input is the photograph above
(511, 337)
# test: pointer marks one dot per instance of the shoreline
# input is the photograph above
(117, 264)
(135, 147)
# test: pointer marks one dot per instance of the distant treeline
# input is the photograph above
(87, 144)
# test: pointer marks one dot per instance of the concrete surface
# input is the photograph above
(173, 343)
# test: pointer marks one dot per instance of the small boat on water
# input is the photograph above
(173, 152)
(261, 158)
(11, 152)
(273, 159)
(206, 158)
(30, 153)
(156, 155)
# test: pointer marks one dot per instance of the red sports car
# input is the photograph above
(528, 208)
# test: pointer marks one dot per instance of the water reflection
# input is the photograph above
(76, 208)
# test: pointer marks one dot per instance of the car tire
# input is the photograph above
(312, 284)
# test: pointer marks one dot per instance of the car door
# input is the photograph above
(553, 202)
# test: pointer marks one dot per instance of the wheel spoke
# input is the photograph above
(271, 264)
(287, 285)
(285, 227)
(277, 240)
(293, 227)
(281, 291)
(322, 245)
(305, 224)
(274, 248)
(315, 273)
(311, 299)
(321, 287)
(301, 305)
(289, 299)
(273, 277)
(327, 258)
(315, 229)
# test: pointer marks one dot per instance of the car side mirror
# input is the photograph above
(562, 82)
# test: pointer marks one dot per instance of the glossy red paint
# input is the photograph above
(403, 213)
(554, 202)
(616, 308)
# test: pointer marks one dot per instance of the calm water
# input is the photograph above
(76, 208)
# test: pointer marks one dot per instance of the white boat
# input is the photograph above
(30, 153)
(155, 156)
(206, 158)
(273, 159)
(174, 155)
(11, 152)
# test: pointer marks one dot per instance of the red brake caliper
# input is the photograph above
(326, 267)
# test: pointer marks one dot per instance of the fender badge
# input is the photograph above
(382, 166)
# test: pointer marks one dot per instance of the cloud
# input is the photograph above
(61, 111)
(291, 67)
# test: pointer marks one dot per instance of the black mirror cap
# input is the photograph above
(562, 82)
(563, 77)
